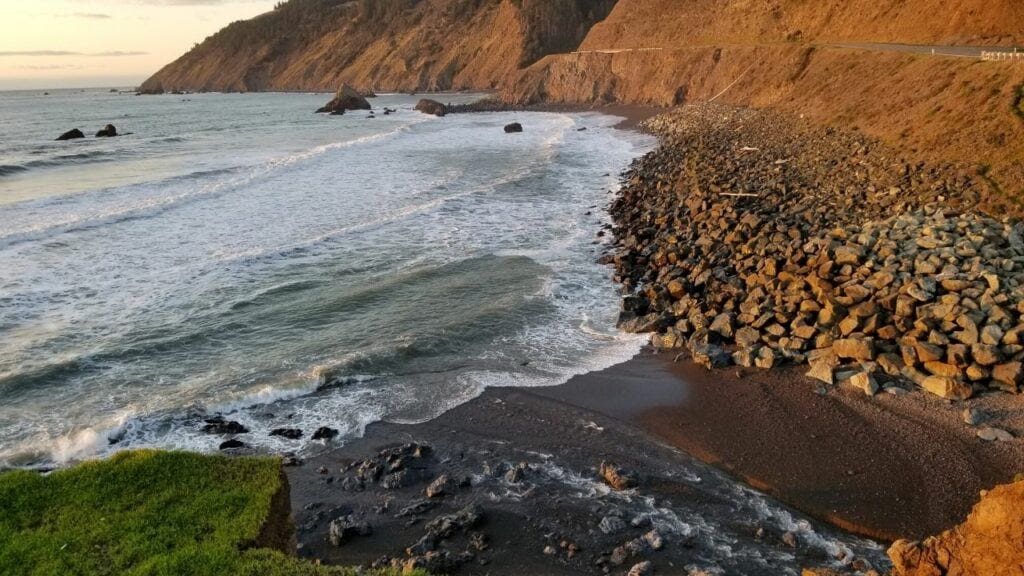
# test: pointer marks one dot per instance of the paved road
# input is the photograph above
(946, 51)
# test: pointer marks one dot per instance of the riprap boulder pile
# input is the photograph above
(752, 238)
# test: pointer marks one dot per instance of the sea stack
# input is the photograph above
(347, 98)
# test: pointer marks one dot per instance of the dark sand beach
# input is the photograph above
(886, 467)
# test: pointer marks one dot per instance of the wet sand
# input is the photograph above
(706, 520)
(886, 467)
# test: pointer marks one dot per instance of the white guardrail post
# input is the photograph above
(998, 56)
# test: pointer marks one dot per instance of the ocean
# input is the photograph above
(237, 254)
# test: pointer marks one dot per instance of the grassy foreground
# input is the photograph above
(145, 513)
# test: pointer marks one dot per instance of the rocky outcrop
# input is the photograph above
(432, 107)
(347, 98)
(750, 233)
(990, 541)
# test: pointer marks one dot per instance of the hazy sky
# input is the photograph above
(83, 43)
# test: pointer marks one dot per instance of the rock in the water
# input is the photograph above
(616, 477)
(347, 98)
(232, 444)
(218, 425)
(432, 107)
(324, 433)
(347, 527)
(612, 525)
(513, 128)
(988, 542)
(108, 131)
(289, 433)
(441, 486)
(73, 134)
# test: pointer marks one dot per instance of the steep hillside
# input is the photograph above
(382, 44)
(774, 53)
(677, 23)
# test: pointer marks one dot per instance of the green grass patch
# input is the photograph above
(145, 513)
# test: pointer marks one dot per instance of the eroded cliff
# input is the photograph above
(382, 44)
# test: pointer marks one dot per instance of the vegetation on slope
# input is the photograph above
(151, 513)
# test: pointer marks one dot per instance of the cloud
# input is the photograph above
(119, 53)
(41, 53)
(50, 67)
(92, 15)
(111, 54)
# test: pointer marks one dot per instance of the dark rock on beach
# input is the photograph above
(73, 134)
(347, 98)
(513, 128)
(432, 107)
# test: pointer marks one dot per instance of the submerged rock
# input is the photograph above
(108, 131)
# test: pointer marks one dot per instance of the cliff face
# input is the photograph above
(678, 23)
(382, 44)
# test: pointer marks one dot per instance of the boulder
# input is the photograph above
(347, 98)
(513, 128)
(616, 477)
(289, 433)
(432, 107)
(946, 387)
(218, 425)
(861, 349)
(108, 131)
(73, 134)
(988, 542)
(324, 433)
(345, 528)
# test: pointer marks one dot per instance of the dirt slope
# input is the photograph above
(678, 23)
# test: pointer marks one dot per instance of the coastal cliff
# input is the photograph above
(788, 55)
(382, 44)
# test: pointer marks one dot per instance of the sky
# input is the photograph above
(104, 43)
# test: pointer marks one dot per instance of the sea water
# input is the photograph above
(233, 250)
